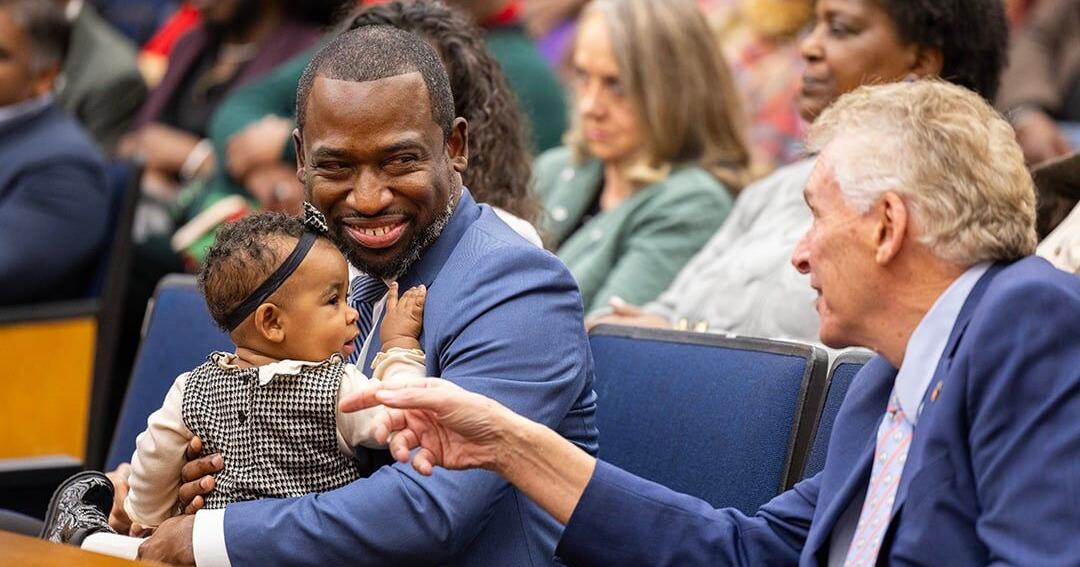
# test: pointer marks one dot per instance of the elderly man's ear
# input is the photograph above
(892, 227)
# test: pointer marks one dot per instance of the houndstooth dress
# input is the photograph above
(278, 439)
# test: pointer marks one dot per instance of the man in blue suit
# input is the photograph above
(381, 154)
(54, 200)
(958, 445)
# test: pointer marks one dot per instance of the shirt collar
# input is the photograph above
(268, 371)
(73, 9)
(927, 343)
(13, 112)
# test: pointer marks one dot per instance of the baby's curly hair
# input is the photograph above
(245, 253)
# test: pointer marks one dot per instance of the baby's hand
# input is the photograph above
(404, 318)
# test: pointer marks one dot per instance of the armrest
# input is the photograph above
(27, 484)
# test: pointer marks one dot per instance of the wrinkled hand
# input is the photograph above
(404, 318)
(453, 428)
(623, 313)
(260, 143)
(1039, 137)
(171, 542)
(163, 148)
(195, 475)
(276, 188)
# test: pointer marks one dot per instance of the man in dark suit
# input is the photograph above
(54, 199)
(957, 445)
(381, 154)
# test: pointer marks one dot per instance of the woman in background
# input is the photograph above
(742, 281)
(655, 153)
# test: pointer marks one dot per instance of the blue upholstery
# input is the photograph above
(843, 372)
(178, 336)
(716, 417)
(123, 180)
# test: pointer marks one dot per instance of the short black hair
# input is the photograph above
(377, 52)
(500, 159)
(46, 26)
(972, 35)
(244, 254)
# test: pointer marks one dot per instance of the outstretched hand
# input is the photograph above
(453, 428)
(456, 429)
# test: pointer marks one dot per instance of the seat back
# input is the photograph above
(841, 375)
(47, 354)
(178, 334)
(721, 418)
(111, 286)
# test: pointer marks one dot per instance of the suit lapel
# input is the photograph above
(570, 200)
(847, 471)
(941, 374)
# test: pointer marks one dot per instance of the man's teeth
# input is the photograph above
(381, 231)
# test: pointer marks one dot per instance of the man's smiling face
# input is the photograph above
(380, 168)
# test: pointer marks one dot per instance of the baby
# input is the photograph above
(279, 287)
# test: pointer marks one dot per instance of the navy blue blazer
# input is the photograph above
(54, 208)
(992, 476)
(502, 318)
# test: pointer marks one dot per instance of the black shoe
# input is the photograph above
(79, 507)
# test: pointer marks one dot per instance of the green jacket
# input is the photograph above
(102, 86)
(635, 250)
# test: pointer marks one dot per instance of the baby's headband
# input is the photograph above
(316, 226)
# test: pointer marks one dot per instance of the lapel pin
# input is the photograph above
(937, 390)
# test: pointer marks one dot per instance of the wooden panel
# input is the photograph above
(45, 389)
(21, 551)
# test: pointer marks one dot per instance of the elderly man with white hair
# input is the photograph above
(959, 444)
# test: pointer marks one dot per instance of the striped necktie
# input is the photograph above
(364, 292)
(894, 439)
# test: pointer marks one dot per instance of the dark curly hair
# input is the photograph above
(972, 36)
(244, 254)
(500, 160)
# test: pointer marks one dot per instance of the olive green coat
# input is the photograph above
(637, 248)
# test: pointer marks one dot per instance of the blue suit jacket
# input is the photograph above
(54, 208)
(502, 318)
(992, 477)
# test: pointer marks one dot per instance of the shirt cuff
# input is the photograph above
(208, 539)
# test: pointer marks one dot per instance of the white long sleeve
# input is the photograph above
(158, 458)
(357, 428)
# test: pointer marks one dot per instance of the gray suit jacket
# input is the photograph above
(101, 87)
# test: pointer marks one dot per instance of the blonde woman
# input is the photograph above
(655, 154)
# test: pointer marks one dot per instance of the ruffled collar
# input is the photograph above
(268, 371)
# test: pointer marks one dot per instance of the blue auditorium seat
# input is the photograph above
(842, 373)
(721, 418)
(178, 335)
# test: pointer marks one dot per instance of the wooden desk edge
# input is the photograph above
(22, 551)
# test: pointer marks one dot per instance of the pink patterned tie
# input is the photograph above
(894, 438)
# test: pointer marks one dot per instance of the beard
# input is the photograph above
(396, 266)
